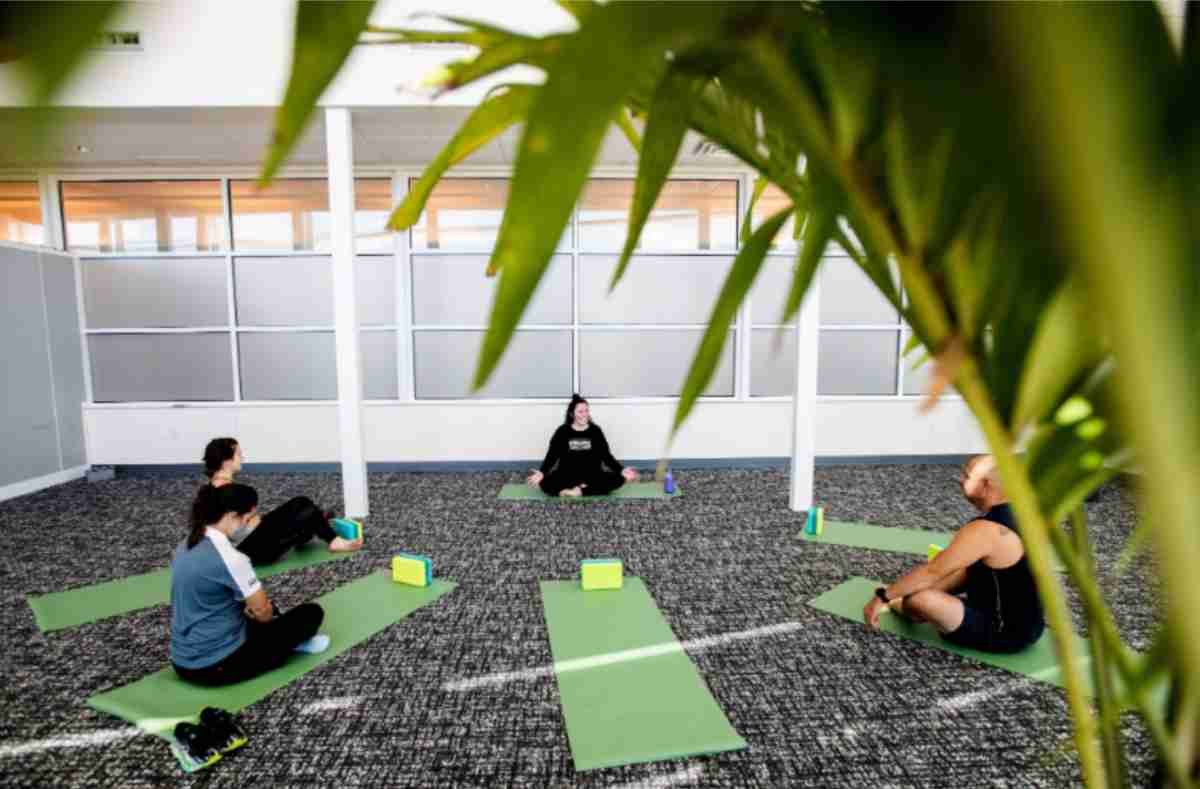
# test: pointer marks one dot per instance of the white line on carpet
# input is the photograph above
(678, 778)
(641, 653)
(86, 740)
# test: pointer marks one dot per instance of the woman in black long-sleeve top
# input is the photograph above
(579, 462)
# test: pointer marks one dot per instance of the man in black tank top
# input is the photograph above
(979, 591)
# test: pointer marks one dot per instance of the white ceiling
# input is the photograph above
(146, 139)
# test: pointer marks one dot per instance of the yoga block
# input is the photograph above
(816, 521)
(412, 569)
(347, 528)
(601, 574)
(933, 551)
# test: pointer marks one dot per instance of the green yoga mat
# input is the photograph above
(519, 491)
(83, 604)
(353, 613)
(629, 692)
(885, 538)
(880, 538)
(1039, 662)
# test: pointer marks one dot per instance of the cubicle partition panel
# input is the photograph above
(42, 351)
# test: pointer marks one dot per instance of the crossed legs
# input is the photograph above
(937, 604)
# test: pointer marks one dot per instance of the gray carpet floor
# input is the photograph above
(827, 704)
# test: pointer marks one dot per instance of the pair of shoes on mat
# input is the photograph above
(313, 646)
(202, 745)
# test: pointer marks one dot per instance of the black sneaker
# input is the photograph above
(223, 729)
(194, 748)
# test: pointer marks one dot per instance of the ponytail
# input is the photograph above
(216, 453)
(213, 504)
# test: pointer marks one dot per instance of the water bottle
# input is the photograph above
(668, 484)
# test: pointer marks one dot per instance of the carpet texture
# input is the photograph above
(820, 700)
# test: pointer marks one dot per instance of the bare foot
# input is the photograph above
(571, 492)
(342, 545)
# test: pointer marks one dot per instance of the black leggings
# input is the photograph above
(293, 523)
(267, 647)
(596, 483)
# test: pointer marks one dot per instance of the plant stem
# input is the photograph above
(1110, 712)
(1034, 536)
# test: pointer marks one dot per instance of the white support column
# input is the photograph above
(804, 401)
(339, 142)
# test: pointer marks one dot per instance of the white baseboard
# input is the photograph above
(40, 483)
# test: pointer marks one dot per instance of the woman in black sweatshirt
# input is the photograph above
(579, 462)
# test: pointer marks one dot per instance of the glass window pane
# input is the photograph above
(856, 363)
(294, 214)
(143, 216)
(155, 293)
(847, 295)
(292, 291)
(149, 367)
(631, 363)
(770, 202)
(694, 214)
(462, 213)
(918, 368)
(536, 364)
(772, 366)
(372, 207)
(452, 290)
(673, 289)
(376, 280)
(379, 365)
(21, 213)
(288, 365)
(770, 291)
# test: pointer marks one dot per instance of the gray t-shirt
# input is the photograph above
(209, 584)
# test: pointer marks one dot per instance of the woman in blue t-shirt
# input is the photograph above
(223, 627)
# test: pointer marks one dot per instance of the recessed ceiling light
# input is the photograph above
(83, 149)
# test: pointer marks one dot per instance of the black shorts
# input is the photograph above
(980, 630)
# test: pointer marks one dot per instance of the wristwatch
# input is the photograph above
(881, 593)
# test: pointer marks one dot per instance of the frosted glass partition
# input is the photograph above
(632, 363)
(21, 212)
(376, 285)
(451, 290)
(288, 291)
(288, 365)
(857, 363)
(918, 368)
(379, 365)
(772, 367)
(143, 216)
(654, 289)
(155, 367)
(689, 215)
(155, 293)
(536, 364)
(847, 295)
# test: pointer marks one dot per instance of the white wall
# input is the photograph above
(493, 431)
(231, 53)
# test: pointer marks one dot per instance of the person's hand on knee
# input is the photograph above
(630, 474)
(535, 479)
